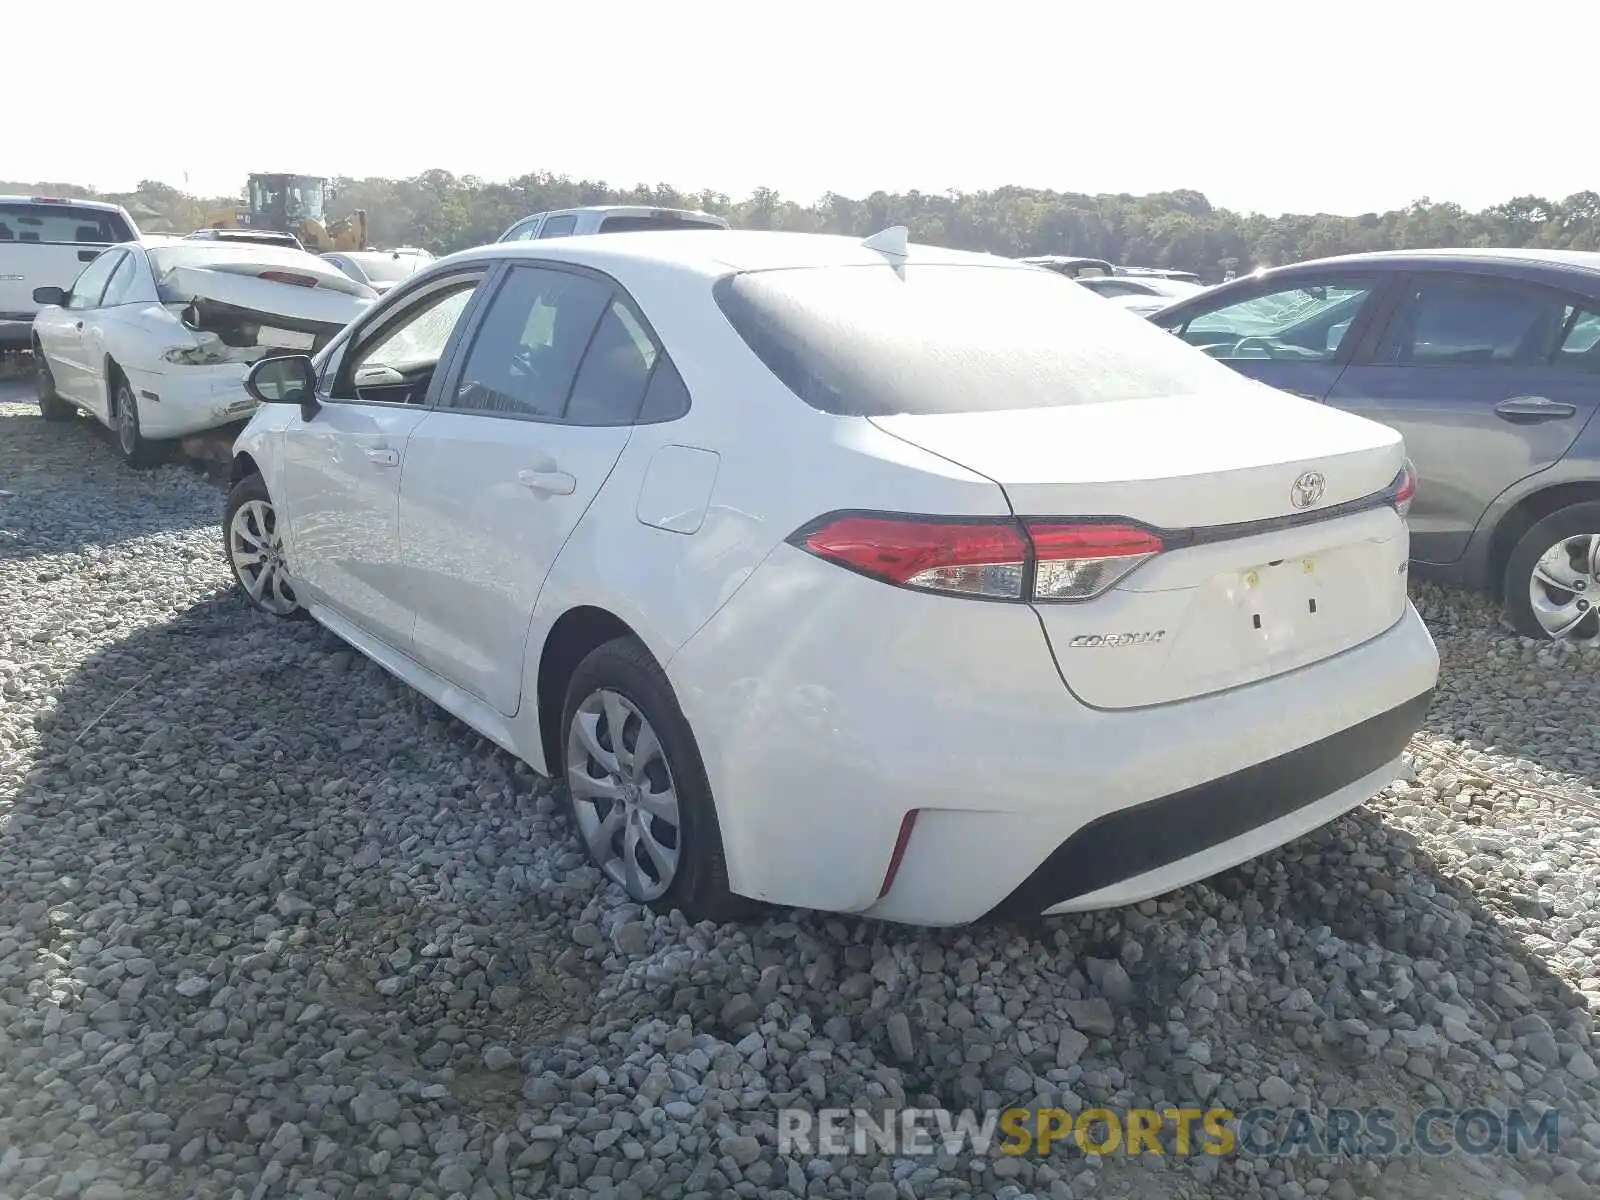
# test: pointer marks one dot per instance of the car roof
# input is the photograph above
(1586, 260)
(716, 252)
(624, 210)
(368, 255)
(76, 202)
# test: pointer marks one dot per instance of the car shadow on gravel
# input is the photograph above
(249, 880)
(59, 476)
(1346, 969)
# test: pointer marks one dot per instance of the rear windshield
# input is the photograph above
(873, 341)
(389, 268)
(623, 224)
(62, 223)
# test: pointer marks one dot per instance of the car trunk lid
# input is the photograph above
(1278, 546)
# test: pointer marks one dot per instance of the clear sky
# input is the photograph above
(1344, 106)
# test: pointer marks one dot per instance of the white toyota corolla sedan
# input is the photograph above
(847, 575)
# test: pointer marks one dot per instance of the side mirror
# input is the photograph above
(287, 379)
(49, 295)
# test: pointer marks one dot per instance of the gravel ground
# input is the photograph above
(271, 924)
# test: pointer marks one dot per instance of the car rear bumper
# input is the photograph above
(1150, 848)
(187, 400)
(828, 706)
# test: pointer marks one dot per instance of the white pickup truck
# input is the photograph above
(46, 241)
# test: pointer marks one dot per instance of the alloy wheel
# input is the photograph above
(256, 547)
(127, 422)
(623, 794)
(1564, 588)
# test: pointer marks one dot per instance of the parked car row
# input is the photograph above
(775, 548)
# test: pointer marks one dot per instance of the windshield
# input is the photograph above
(35, 222)
(874, 341)
(303, 200)
(1272, 314)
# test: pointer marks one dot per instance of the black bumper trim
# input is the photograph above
(1146, 836)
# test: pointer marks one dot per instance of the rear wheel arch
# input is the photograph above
(1523, 516)
(111, 375)
(575, 633)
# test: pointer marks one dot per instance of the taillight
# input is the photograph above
(1403, 489)
(959, 557)
(1077, 562)
(1041, 559)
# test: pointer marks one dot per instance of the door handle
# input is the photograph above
(1304, 395)
(1534, 408)
(79, 326)
(384, 457)
(556, 483)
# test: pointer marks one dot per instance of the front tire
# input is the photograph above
(51, 406)
(137, 450)
(253, 540)
(636, 787)
(1552, 581)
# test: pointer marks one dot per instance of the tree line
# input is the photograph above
(445, 212)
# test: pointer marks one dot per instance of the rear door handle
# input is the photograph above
(556, 483)
(383, 457)
(1304, 395)
(1534, 408)
(79, 326)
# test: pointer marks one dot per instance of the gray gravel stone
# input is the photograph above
(270, 924)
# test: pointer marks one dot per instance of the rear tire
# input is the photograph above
(51, 406)
(638, 796)
(1562, 548)
(137, 450)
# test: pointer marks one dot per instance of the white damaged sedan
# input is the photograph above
(154, 338)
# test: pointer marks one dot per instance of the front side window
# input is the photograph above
(525, 355)
(91, 282)
(522, 232)
(397, 363)
(1451, 320)
(1304, 322)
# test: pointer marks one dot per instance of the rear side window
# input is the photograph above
(1466, 321)
(61, 223)
(558, 226)
(879, 340)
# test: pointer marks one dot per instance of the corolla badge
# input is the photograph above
(1307, 489)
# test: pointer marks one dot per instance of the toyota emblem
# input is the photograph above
(1307, 489)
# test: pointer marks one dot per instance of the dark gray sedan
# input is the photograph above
(1488, 364)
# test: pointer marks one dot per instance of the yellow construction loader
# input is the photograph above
(295, 204)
